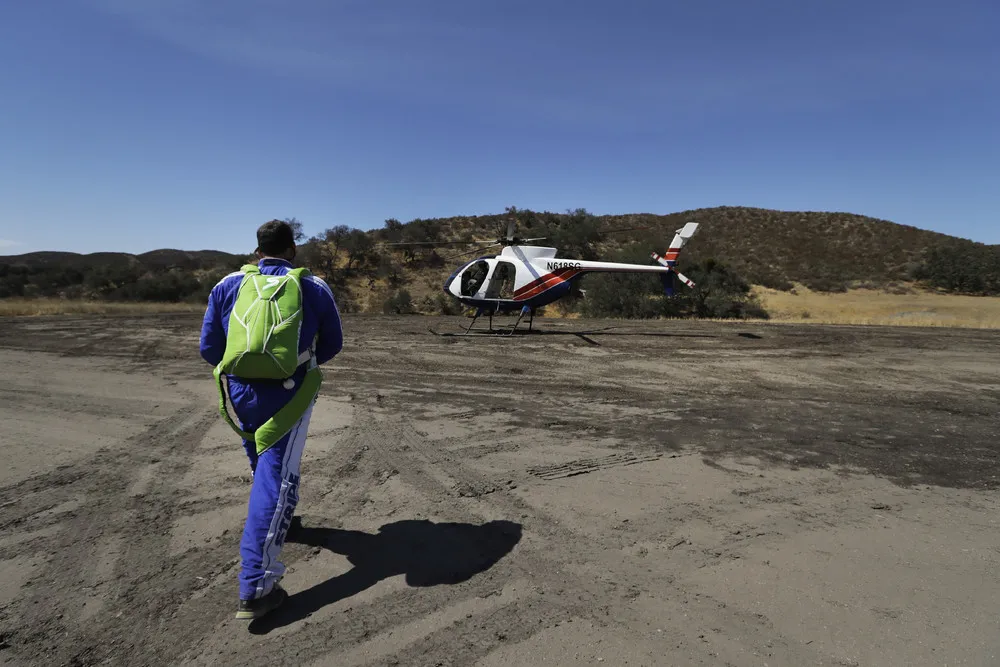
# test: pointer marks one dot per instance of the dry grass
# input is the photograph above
(40, 307)
(861, 306)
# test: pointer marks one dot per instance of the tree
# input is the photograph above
(720, 292)
(575, 234)
(393, 230)
(322, 250)
(336, 236)
(358, 246)
(297, 231)
(317, 255)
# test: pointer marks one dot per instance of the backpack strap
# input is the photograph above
(299, 273)
(247, 270)
(275, 428)
(310, 354)
(222, 406)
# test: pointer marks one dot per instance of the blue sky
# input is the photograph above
(138, 124)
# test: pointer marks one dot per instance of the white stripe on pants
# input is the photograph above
(287, 499)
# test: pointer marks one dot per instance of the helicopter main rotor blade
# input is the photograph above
(435, 243)
(470, 252)
(622, 231)
(510, 229)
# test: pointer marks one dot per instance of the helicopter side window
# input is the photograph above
(473, 278)
(502, 282)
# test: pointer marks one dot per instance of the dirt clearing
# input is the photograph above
(599, 493)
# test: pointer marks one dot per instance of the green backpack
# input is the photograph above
(263, 344)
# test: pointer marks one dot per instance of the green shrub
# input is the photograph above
(398, 303)
(441, 304)
(961, 267)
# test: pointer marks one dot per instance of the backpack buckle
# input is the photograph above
(309, 356)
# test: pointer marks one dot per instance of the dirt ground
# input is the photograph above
(659, 493)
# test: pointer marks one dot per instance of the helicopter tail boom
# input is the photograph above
(576, 266)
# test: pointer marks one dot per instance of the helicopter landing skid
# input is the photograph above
(496, 333)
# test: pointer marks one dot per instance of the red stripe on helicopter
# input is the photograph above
(666, 261)
(557, 277)
(542, 280)
(551, 281)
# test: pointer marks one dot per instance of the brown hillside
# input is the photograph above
(808, 247)
(766, 246)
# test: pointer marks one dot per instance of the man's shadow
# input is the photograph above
(428, 553)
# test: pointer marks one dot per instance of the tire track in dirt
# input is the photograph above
(112, 555)
(459, 634)
(331, 631)
(25, 500)
(100, 580)
(584, 466)
(480, 450)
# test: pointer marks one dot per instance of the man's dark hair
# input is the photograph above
(275, 237)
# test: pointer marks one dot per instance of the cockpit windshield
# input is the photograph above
(473, 277)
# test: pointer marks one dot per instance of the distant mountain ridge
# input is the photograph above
(160, 256)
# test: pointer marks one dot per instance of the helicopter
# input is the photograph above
(525, 277)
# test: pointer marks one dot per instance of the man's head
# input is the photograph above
(276, 239)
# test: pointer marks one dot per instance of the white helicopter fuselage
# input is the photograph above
(524, 276)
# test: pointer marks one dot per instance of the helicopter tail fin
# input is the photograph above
(670, 259)
(680, 238)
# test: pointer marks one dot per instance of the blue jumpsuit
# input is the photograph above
(274, 493)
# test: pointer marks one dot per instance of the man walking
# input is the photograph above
(249, 335)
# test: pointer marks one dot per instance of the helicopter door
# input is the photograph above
(502, 281)
(474, 277)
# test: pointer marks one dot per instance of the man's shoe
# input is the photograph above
(253, 609)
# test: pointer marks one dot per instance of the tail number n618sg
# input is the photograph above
(551, 266)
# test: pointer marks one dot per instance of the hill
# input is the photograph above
(820, 249)
(161, 275)
(166, 258)
(825, 251)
